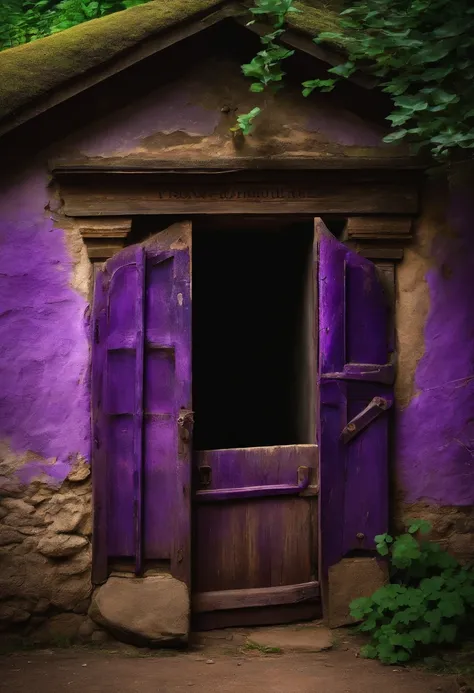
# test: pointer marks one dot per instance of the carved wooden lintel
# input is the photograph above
(379, 238)
(104, 236)
(374, 228)
(379, 253)
(105, 194)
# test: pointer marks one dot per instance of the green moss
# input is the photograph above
(33, 70)
(315, 17)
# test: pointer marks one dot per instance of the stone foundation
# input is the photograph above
(45, 557)
(45, 568)
(453, 527)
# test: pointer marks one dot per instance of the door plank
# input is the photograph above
(259, 466)
(258, 616)
(256, 542)
(250, 598)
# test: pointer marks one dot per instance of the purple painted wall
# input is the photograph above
(436, 430)
(43, 347)
(44, 353)
(166, 110)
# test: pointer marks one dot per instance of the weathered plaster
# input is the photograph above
(413, 299)
(191, 119)
(44, 401)
(166, 110)
(435, 432)
(81, 275)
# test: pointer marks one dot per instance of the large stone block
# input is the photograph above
(144, 611)
(350, 579)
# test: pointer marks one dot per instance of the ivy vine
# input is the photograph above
(421, 52)
(266, 68)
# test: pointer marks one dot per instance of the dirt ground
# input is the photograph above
(222, 662)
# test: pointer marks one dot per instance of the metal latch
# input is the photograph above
(205, 476)
(373, 410)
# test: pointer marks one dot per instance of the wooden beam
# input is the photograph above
(205, 195)
(228, 165)
(373, 228)
(380, 252)
(104, 236)
(258, 597)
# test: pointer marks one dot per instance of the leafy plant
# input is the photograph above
(429, 600)
(266, 68)
(22, 21)
(422, 53)
(245, 122)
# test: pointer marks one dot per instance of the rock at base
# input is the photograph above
(350, 579)
(292, 639)
(143, 611)
(63, 628)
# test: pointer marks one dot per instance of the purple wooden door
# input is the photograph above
(142, 417)
(355, 392)
(256, 536)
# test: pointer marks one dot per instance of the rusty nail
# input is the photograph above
(360, 536)
(351, 427)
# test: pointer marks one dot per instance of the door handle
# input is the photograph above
(222, 494)
(372, 411)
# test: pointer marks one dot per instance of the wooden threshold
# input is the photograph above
(259, 616)
(228, 600)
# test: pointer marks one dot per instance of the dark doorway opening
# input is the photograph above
(253, 334)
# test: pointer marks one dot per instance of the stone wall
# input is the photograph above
(45, 556)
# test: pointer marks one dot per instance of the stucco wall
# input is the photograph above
(434, 464)
(191, 120)
(44, 350)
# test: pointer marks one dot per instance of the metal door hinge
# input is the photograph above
(373, 410)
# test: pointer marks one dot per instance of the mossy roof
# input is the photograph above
(34, 70)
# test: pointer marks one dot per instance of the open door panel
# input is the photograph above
(355, 385)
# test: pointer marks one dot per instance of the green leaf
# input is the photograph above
(344, 70)
(245, 122)
(323, 85)
(257, 87)
(369, 652)
(422, 635)
(448, 632)
(433, 617)
(379, 538)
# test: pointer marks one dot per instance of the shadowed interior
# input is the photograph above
(252, 307)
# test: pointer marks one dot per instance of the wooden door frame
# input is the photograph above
(379, 205)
